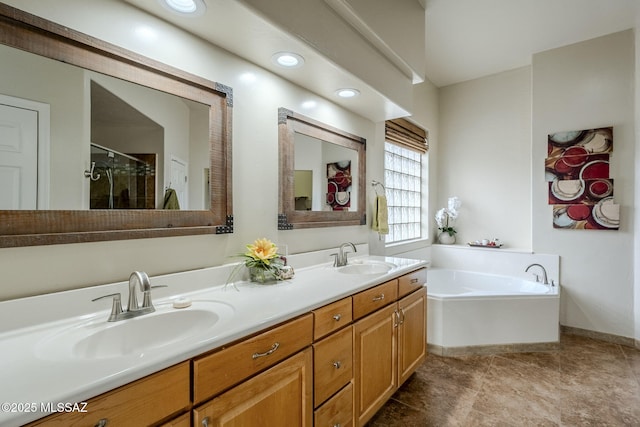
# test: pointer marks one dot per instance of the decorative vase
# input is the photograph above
(262, 276)
(446, 238)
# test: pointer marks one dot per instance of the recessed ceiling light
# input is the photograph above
(185, 7)
(347, 92)
(287, 59)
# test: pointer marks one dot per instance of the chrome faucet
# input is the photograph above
(544, 273)
(140, 279)
(340, 259)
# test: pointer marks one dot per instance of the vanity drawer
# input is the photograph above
(331, 317)
(217, 372)
(372, 299)
(338, 411)
(332, 364)
(411, 282)
(143, 402)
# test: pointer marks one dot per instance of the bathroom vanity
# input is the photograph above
(326, 348)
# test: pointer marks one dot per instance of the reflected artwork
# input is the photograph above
(339, 185)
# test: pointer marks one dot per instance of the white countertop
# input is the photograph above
(31, 376)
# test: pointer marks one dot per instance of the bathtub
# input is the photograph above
(469, 311)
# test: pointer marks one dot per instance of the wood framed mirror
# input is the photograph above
(24, 34)
(322, 174)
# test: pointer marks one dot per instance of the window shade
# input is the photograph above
(405, 133)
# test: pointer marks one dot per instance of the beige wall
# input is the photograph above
(485, 157)
(584, 86)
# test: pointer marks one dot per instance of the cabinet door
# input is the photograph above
(282, 395)
(375, 362)
(412, 333)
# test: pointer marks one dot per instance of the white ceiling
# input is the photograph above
(467, 39)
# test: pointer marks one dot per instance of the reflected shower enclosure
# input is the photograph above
(121, 181)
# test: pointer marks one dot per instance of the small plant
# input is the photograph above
(446, 217)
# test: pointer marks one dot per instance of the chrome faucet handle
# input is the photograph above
(335, 259)
(146, 301)
(116, 306)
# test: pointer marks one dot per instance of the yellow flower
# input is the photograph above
(262, 250)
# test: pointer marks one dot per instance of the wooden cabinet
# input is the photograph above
(375, 362)
(375, 298)
(412, 333)
(319, 368)
(337, 411)
(144, 402)
(332, 364)
(389, 345)
(282, 395)
(216, 372)
(182, 421)
(331, 317)
(411, 282)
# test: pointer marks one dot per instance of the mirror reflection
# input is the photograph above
(322, 172)
(325, 176)
(106, 143)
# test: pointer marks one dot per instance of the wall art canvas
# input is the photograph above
(604, 215)
(590, 141)
(580, 188)
(587, 166)
(339, 182)
(579, 191)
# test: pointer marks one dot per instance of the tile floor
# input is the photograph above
(584, 383)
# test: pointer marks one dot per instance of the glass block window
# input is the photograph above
(403, 182)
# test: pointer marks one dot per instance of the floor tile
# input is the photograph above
(585, 382)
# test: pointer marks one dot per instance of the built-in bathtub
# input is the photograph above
(472, 312)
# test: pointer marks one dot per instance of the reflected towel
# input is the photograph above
(380, 216)
(171, 199)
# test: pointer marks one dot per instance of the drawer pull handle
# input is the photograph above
(102, 422)
(205, 422)
(337, 364)
(378, 298)
(268, 352)
(414, 280)
(337, 425)
(337, 317)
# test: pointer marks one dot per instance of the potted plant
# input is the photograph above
(446, 218)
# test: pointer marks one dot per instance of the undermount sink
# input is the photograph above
(99, 339)
(367, 267)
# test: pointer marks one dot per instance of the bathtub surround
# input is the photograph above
(505, 262)
(470, 312)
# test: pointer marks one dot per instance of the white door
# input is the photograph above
(18, 158)
(179, 181)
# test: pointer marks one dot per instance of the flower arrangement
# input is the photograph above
(264, 262)
(446, 217)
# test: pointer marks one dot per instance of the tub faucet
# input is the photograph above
(544, 273)
(340, 259)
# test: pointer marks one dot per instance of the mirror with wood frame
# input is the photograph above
(322, 174)
(63, 210)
